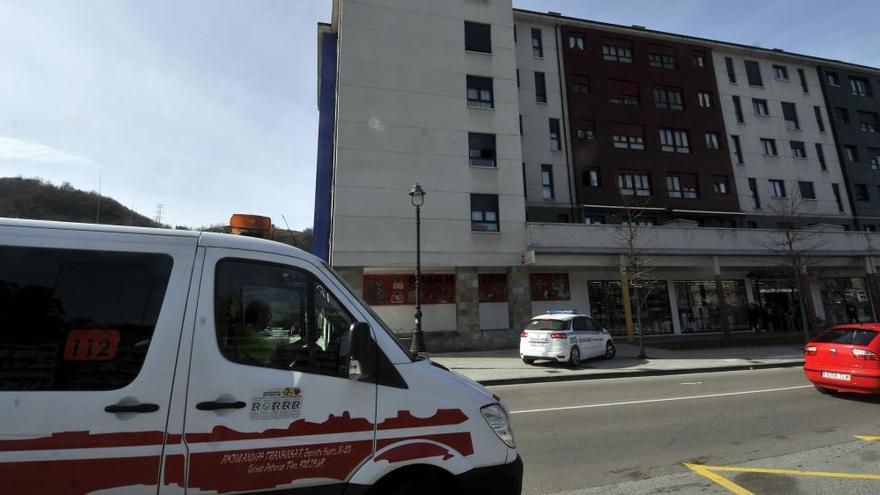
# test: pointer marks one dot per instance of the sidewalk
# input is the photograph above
(505, 367)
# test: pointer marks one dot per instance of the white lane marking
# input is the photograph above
(667, 399)
(691, 383)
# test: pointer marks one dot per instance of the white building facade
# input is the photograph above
(467, 98)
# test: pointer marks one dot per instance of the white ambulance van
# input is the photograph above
(145, 361)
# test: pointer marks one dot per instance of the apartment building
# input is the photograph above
(854, 108)
(780, 140)
(534, 134)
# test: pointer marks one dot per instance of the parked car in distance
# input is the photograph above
(846, 358)
(564, 336)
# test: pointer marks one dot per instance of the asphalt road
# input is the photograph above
(596, 433)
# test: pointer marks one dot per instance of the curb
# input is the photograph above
(635, 374)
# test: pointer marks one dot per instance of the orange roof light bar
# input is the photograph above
(251, 225)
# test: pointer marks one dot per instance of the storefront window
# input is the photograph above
(606, 306)
(845, 300)
(778, 305)
(698, 305)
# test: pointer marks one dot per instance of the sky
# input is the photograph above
(208, 107)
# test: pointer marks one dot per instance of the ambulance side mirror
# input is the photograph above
(362, 351)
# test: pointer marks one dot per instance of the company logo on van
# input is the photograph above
(277, 404)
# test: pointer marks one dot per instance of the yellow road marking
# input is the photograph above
(868, 438)
(720, 480)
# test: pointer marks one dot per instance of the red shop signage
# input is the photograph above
(493, 287)
(386, 290)
(550, 287)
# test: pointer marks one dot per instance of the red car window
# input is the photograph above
(854, 336)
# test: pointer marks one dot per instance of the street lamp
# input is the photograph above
(417, 197)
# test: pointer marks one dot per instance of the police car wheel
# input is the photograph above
(609, 350)
(574, 356)
(528, 360)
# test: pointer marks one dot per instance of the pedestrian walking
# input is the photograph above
(852, 313)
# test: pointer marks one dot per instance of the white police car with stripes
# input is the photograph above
(564, 336)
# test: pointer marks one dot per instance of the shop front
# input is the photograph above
(606, 306)
(845, 300)
(699, 305)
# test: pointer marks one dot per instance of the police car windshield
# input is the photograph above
(547, 325)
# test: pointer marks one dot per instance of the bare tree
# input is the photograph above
(794, 247)
(636, 261)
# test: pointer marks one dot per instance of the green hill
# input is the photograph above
(40, 200)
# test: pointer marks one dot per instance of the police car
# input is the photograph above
(564, 336)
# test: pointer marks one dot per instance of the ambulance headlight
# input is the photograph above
(499, 421)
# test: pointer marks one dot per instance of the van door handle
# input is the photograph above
(216, 404)
(132, 408)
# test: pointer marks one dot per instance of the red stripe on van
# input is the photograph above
(83, 440)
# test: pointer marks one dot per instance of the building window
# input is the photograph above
(769, 147)
(581, 87)
(484, 212)
(731, 73)
(860, 86)
(576, 42)
(682, 186)
(555, 136)
(622, 92)
(594, 220)
(712, 141)
(836, 190)
(481, 149)
(819, 121)
(753, 190)
(617, 53)
(674, 141)
(781, 72)
(662, 61)
(820, 153)
(547, 182)
(753, 73)
(668, 98)
(514, 34)
(861, 192)
(520, 124)
(798, 150)
(874, 153)
(778, 188)
(869, 121)
(705, 99)
(634, 184)
(629, 142)
(585, 129)
(841, 114)
(851, 153)
(537, 43)
(479, 92)
(831, 79)
(737, 108)
(803, 78)
(477, 37)
(540, 88)
(525, 183)
(789, 112)
(643, 221)
(699, 59)
(737, 149)
(807, 190)
(721, 184)
(760, 107)
(592, 177)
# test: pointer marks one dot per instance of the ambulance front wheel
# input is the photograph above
(528, 360)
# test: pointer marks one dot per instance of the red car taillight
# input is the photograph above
(558, 336)
(865, 355)
(523, 334)
(810, 350)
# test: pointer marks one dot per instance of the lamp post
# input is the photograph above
(417, 196)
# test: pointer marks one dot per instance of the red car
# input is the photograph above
(846, 358)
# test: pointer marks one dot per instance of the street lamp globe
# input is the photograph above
(417, 195)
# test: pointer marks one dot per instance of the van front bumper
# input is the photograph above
(505, 479)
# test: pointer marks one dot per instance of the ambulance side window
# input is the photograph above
(76, 319)
(281, 317)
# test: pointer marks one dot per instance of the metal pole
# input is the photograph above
(418, 342)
